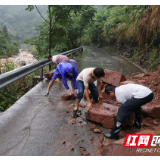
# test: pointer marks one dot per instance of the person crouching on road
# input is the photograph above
(64, 70)
(85, 81)
(58, 59)
(62, 58)
(132, 97)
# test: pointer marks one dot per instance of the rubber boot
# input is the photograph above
(137, 122)
(114, 134)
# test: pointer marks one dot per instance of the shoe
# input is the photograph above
(137, 124)
(74, 114)
(114, 134)
(111, 136)
(46, 94)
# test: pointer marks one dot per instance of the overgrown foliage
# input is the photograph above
(8, 47)
(67, 26)
(128, 28)
(11, 93)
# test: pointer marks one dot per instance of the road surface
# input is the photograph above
(41, 126)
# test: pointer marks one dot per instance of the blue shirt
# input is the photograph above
(66, 70)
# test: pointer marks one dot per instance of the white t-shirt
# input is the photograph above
(85, 76)
(126, 92)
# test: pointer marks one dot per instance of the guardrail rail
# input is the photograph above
(11, 76)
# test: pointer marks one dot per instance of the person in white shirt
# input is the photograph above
(85, 81)
(132, 97)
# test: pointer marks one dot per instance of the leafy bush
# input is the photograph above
(125, 27)
(6, 100)
(11, 93)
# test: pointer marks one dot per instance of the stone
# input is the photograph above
(151, 111)
(158, 88)
(138, 76)
(105, 114)
(68, 97)
(126, 82)
(22, 63)
(49, 74)
(84, 151)
(113, 77)
(95, 129)
(158, 68)
(100, 114)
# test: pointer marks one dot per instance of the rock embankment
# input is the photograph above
(105, 113)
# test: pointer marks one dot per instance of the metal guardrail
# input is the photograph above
(11, 76)
(71, 51)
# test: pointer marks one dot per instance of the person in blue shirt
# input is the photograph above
(64, 70)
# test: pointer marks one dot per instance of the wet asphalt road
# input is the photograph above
(98, 57)
(38, 126)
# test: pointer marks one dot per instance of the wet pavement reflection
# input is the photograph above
(98, 57)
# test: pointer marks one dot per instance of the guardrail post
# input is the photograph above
(49, 67)
(41, 74)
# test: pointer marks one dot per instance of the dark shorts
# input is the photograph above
(92, 88)
(131, 106)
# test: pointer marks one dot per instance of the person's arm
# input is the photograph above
(99, 90)
(55, 75)
(73, 81)
(49, 86)
(65, 84)
(74, 88)
(86, 87)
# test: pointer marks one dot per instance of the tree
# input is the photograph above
(5, 31)
(62, 24)
(132, 29)
(6, 46)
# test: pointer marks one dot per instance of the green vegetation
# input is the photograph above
(66, 30)
(8, 47)
(11, 93)
(21, 23)
(53, 29)
(62, 29)
(129, 29)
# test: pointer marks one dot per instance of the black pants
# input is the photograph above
(132, 105)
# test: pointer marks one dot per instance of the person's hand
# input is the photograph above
(46, 94)
(89, 105)
(69, 92)
(75, 92)
(100, 99)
